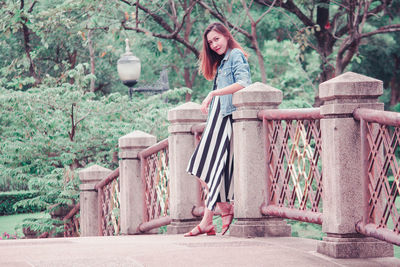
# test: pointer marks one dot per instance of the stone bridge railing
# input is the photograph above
(312, 165)
(293, 147)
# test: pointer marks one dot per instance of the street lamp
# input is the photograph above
(128, 67)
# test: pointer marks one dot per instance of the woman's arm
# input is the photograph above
(241, 73)
(233, 88)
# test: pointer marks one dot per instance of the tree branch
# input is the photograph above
(364, 16)
(217, 10)
(351, 50)
(223, 19)
(344, 30)
(247, 11)
(126, 2)
(352, 42)
(137, 14)
(291, 7)
(172, 36)
(92, 57)
(379, 8)
(82, 118)
(384, 29)
(72, 133)
(173, 33)
(32, 6)
(174, 13)
(266, 12)
(155, 16)
(26, 33)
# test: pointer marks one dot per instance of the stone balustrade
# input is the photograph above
(184, 189)
(342, 191)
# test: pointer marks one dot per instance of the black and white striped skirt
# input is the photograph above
(212, 161)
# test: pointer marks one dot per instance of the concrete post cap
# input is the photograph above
(257, 94)
(350, 85)
(136, 139)
(188, 112)
(93, 173)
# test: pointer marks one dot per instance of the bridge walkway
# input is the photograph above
(172, 250)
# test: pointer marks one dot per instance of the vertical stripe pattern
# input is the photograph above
(212, 160)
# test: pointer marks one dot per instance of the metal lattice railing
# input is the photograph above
(72, 222)
(293, 148)
(155, 175)
(108, 191)
(380, 135)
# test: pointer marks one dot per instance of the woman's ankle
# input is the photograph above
(225, 207)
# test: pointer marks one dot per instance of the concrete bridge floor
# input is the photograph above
(172, 250)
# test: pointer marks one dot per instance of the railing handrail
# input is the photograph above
(371, 229)
(290, 114)
(71, 223)
(378, 116)
(153, 149)
(112, 176)
(293, 214)
(72, 212)
(154, 223)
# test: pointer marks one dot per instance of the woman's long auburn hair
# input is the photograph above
(209, 60)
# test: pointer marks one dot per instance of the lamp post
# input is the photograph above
(128, 67)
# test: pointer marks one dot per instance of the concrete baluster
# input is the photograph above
(343, 201)
(184, 188)
(133, 207)
(89, 199)
(250, 165)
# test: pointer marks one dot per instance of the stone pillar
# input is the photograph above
(250, 165)
(132, 187)
(88, 199)
(343, 201)
(184, 188)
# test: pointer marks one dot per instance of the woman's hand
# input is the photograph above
(206, 102)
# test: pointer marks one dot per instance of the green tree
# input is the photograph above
(337, 29)
(48, 128)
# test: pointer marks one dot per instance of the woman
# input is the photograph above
(223, 60)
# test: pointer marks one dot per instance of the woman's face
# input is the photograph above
(217, 42)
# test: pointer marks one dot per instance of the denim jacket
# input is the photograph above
(234, 68)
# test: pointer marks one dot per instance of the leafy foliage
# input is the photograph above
(8, 199)
(33, 227)
(47, 131)
(51, 132)
(287, 72)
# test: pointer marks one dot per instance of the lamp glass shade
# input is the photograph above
(128, 67)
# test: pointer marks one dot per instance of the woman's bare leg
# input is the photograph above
(225, 207)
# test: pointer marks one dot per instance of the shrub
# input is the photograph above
(9, 199)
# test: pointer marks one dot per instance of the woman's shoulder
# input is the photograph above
(237, 51)
(237, 56)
